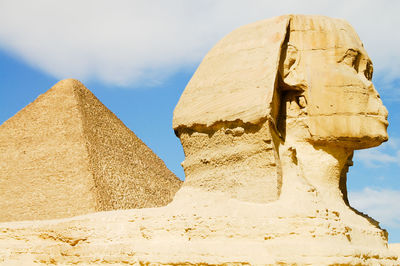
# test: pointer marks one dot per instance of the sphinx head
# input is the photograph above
(305, 79)
(326, 73)
(319, 61)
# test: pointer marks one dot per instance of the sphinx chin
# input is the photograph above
(351, 143)
(349, 131)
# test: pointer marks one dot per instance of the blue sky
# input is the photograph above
(137, 57)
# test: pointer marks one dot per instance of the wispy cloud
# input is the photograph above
(376, 158)
(388, 85)
(127, 42)
(381, 204)
(387, 153)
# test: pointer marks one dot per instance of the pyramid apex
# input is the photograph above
(63, 88)
(69, 83)
(66, 87)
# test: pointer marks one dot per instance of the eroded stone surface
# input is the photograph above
(236, 79)
(216, 232)
(268, 123)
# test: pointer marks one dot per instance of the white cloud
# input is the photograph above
(381, 204)
(375, 158)
(128, 42)
(388, 153)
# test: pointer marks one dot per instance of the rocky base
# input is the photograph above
(235, 233)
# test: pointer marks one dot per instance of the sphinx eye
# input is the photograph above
(369, 69)
(351, 58)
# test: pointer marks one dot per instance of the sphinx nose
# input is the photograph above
(384, 111)
(381, 108)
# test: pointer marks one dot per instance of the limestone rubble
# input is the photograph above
(268, 123)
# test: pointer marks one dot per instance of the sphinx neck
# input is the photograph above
(315, 172)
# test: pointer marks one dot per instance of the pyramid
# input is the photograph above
(66, 154)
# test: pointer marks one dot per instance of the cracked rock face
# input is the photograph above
(268, 124)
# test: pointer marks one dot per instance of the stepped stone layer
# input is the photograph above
(66, 154)
(268, 124)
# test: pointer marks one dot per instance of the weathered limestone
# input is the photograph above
(315, 65)
(215, 231)
(66, 154)
(226, 115)
(268, 123)
(396, 249)
(239, 161)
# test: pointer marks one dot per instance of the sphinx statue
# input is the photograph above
(296, 83)
(268, 124)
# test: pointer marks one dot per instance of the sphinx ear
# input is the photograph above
(290, 74)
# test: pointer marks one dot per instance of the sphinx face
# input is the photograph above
(342, 103)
